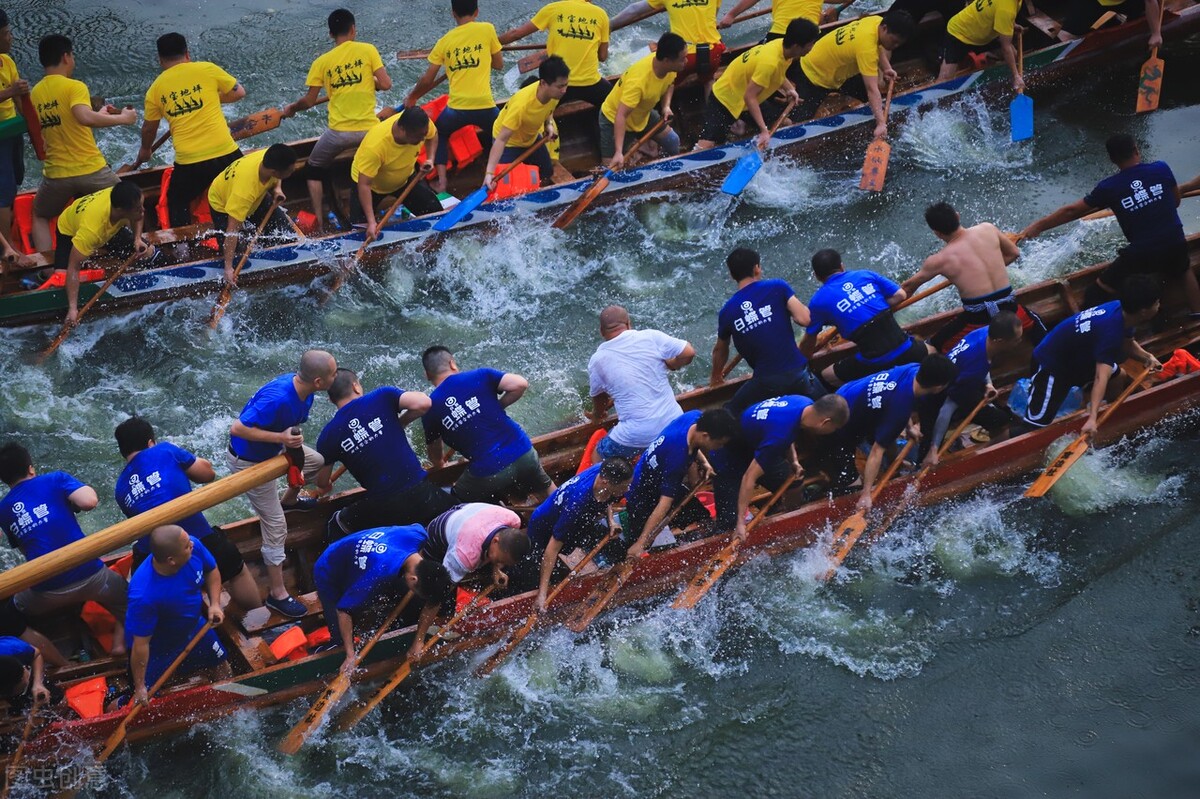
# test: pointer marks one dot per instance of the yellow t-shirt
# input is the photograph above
(70, 147)
(347, 73)
(576, 31)
(8, 76)
(88, 222)
(237, 191)
(390, 164)
(189, 96)
(983, 20)
(694, 20)
(640, 89)
(524, 116)
(784, 11)
(841, 54)
(466, 52)
(764, 64)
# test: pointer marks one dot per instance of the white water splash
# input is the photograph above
(964, 137)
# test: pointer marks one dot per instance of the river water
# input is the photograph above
(991, 647)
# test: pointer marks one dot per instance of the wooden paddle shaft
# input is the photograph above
(520, 159)
(126, 532)
(412, 183)
(68, 327)
(826, 338)
(227, 290)
(10, 771)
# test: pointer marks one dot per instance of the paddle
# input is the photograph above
(159, 142)
(359, 711)
(227, 290)
(122, 729)
(748, 165)
(828, 337)
(501, 654)
(1107, 212)
(708, 576)
(875, 164)
(336, 688)
(601, 183)
(1020, 110)
(849, 531)
(476, 198)
(11, 770)
(1150, 78)
(1074, 451)
(415, 55)
(594, 604)
(69, 326)
(261, 121)
(33, 125)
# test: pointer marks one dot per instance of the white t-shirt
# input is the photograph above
(630, 368)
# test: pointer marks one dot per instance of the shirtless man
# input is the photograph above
(974, 260)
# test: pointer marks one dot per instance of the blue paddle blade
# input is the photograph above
(460, 212)
(742, 173)
(1020, 112)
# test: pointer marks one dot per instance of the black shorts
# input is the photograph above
(189, 181)
(1082, 14)
(853, 368)
(418, 504)
(812, 95)
(717, 121)
(594, 94)
(420, 201)
(1170, 262)
(917, 9)
(955, 50)
(12, 621)
(1047, 390)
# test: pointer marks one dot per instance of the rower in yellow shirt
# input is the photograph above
(782, 12)
(751, 80)
(469, 53)
(577, 32)
(351, 73)
(525, 116)
(189, 95)
(385, 162)
(630, 106)
(74, 166)
(849, 60)
(695, 21)
(974, 29)
(89, 224)
(238, 195)
(12, 149)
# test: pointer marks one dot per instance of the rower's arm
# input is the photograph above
(745, 492)
(682, 359)
(498, 146)
(510, 36)
(324, 479)
(212, 586)
(412, 405)
(553, 548)
(653, 525)
(74, 264)
(808, 346)
(85, 116)
(383, 81)
(875, 101)
(83, 499)
(630, 14)
(232, 233)
(365, 198)
(233, 95)
(1191, 185)
(1099, 387)
(870, 472)
(619, 130)
(345, 623)
(1008, 250)
(733, 13)
(306, 101)
(139, 657)
(437, 457)
(720, 357)
(149, 133)
(799, 311)
(1009, 54)
(201, 471)
(428, 615)
(1068, 213)
(665, 105)
(897, 298)
(1142, 355)
(37, 675)
(602, 52)
(514, 387)
(601, 403)
(926, 273)
(424, 83)
(753, 109)
(940, 427)
(1154, 21)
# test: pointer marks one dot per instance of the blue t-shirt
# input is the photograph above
(275, 407)
(1143, 199)
(1098, 334)
(880, 405)
(360, 567)
(971, 358)
(771, 426)
(467, 414)
(156, 476)
(848, 300)
(571, 509)
(661, 469)
(366, 435)
(757, 319)
(169, 609)
(37, 517)
(15, 647)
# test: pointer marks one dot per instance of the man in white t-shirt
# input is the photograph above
(629, 370)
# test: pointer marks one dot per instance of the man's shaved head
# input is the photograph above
(168, 541)
(317, 364)
(612, 319)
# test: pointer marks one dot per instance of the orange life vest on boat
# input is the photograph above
(22, 229)
(522, 180)
(58, 279)
(87, 698)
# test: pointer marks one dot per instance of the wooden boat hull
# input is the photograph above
(293, 262)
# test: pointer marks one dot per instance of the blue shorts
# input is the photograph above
(607, 448)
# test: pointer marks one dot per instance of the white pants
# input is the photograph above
(264, 499)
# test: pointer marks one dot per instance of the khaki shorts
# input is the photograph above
(522, 476)
(55, 194)
(332, 144)
(105, 587)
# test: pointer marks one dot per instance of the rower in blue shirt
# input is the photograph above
(262, 430)
(38, 517)
(661, 476)
(577, 515)
(882, 407)
(1145, 199)
(22, 671)
(469, 415)
(974, 355)
(368, 435)
(1089, 348)
(771, 430)
(859, 304)
(371, 570)
(758, 319)
(167, 597)
(156, 473)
